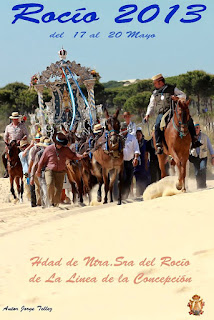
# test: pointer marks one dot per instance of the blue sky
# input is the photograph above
(26, 47)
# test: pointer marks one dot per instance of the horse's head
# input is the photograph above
(112, 122)
(12, 151)
(182, 111)
(113, 127)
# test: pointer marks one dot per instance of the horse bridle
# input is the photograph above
(181, 124)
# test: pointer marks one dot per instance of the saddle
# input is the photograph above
(165, 120)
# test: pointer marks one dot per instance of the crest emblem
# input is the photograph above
(196, 305)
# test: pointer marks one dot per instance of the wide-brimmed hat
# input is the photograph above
(15, 115)
(47, 142)
(157, 77)
(60, 139)
(97, 128)
(23, 143)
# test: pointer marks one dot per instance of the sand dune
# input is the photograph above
(178, 227)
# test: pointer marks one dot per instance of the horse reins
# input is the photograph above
(12, 166)
(181, 133)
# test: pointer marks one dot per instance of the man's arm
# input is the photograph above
(151, 106)
(33, 170)
(136, 152)
(73, 155)
(28, 148)
(210, 148)
(42, 163)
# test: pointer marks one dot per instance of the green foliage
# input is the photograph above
(144, 85)
(119, 100)
(138, 103)
(19, 97)
(197, 84)
(112, 84)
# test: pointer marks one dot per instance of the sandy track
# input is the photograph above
(180, 227)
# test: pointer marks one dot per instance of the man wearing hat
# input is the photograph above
(131, 126)
(162, 100)
(16, 130)
(130, 155)
(54, 160)
(98, 131)
(199, 156)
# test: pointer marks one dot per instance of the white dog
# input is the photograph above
(162, 188)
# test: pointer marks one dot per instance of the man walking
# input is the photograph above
(199, 155)
(54, 158)
(130, 155)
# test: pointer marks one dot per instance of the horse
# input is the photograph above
(108, 162)
(79, 172)
(177, 142)
(14, 168)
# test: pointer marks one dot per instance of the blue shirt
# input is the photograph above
(24, 162)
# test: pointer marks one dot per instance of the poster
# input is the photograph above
(143, 260)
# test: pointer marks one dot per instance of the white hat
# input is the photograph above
(139, 129)
(158, 76)
(97, 128)
(15, 115)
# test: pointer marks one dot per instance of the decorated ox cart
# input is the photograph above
(68, 105)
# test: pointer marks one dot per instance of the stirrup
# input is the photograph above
(6, 175)
(159, 148)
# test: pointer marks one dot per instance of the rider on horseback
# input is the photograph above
(163, 98)
(16, 131)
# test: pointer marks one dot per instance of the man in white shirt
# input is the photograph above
(162, 100)
(131, 126)
(130, 155)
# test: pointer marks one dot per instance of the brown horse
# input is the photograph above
(177, 142)
(108, 162)
(80, 172)
(14, 168)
